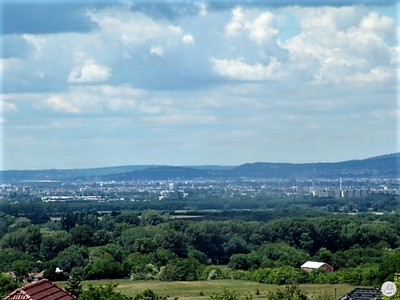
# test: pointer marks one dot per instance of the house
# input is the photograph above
(315, 265)
(41, 290)
(38, 276)
(362, 294)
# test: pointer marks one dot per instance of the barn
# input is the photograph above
(315, 265)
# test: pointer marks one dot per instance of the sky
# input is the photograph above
(92, 83)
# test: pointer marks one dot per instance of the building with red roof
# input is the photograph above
(41, 290)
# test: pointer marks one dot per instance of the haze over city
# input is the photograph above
(175, 83)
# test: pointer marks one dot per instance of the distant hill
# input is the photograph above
(385, 166)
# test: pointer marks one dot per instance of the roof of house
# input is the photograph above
(39, 275)
(362, 294)
(312, 264)
(41, 290)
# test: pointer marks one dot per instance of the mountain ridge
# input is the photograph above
(378, 166)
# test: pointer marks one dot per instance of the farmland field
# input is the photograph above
(192, 290)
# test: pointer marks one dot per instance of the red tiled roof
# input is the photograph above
(41, 290)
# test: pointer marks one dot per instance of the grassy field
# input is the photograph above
(191, 290)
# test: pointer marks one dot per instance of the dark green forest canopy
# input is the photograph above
(265, 245)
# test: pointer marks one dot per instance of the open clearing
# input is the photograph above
(186, 290)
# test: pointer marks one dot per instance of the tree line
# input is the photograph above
(150, 245)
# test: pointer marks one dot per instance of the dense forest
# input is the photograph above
(267, 246)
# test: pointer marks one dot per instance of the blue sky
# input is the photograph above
(89, 84)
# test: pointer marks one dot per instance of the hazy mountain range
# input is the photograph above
(385, 166)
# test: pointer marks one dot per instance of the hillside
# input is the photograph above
(385, 166)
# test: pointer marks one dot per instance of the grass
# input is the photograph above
(191, 290)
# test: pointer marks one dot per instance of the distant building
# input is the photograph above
(41, 290)
(315, 265)
(363, 294)
(38, 276)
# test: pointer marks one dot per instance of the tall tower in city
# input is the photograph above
(340, 183)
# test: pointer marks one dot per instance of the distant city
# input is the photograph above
(158, 183)
(49, 190)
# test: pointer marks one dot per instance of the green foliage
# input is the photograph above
(106, 292)
(104, 267)
(240, 262)
(53, 243)
(172, 272)
(26, 240)
(389, 266)
(73, 256)
(82, 235)
(74, 286)
(152, 218)
(148, 295)
(213, 272)
(396, 296)
(7, 285)
(291, 292)
(187, 269)
(227, 294)
(21, 268)
(324, 296)
(146, 272)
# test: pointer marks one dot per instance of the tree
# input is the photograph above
(21, 268)
(74, 286)
(239, 262)
(144, 245)
(148, 295)
(389, 266)
(152, 218)
(73, 256)
(54, 243)
(128, 217)
(228, 295)
(27, 240)
(7, 285)
(82, 235)
(291, 292)
(104, 267)
(106, 292)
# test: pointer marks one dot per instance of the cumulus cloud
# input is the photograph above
(157, 50)
(58, 102)
(243, 71)
(188, 39)
(7, 107)
(287, 82)
(89, 71)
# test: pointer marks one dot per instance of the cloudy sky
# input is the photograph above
(89, 84)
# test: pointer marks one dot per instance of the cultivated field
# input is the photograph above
(192, 290)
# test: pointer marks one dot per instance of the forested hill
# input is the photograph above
(385, 166)
(382, 166)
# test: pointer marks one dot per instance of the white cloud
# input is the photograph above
(89, 71)
(7, 107)
(203, 9)
(188, 39)
(274, 70)
(58, 102)
(262, 28)
(157, 50)
(240, 70)
(347, 43)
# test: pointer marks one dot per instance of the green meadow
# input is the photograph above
(194, 290)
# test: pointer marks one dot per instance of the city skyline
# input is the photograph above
(173, 83)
